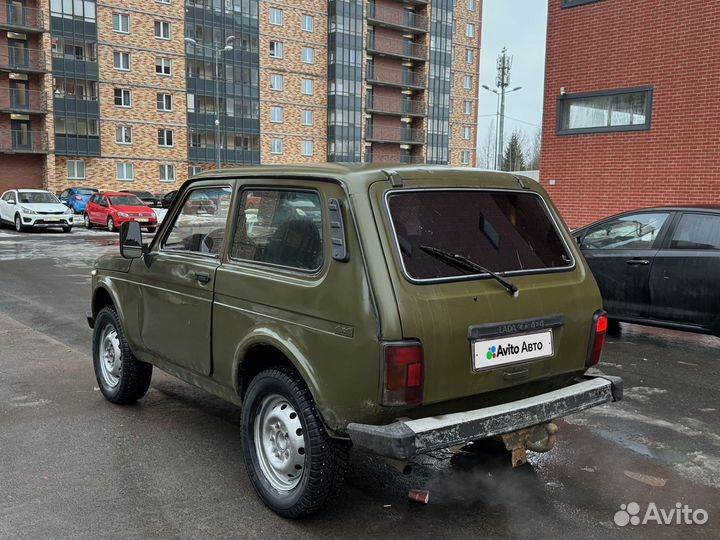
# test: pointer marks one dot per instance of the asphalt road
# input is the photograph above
(72, 464)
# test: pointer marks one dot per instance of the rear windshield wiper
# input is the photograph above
(463, 262)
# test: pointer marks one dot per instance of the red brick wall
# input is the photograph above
(21, 171)
(673, 47)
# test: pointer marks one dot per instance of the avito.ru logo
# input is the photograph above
(680, 515)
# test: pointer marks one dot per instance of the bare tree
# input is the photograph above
(486, 149)
(533, 158)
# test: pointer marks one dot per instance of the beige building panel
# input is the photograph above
(144, 142)
(292, 149)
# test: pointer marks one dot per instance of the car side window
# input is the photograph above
(64, 193)
(280, 227)
(697, 231)
(102, 201)
(637, 231)
(200, 225)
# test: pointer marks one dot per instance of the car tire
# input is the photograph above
(66, 229)
(111, 224)
(19, 227)
(613, 328)
(151, 229)
(294, 465)
(86, 220)
(122, 378)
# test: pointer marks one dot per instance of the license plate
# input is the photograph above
(142, 219)
(499, 351)
(53, 219)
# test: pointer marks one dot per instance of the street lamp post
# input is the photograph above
(497, 123)
(217, 54)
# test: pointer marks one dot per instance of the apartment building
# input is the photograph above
(142, 94)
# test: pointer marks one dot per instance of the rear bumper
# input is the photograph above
(407, 438)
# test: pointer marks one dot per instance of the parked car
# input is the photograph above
(424, 308)
(146, 197)
(167, 199)
(110, 210)
(34, 209)
(658, 266)
(202, 203)
(76, 198)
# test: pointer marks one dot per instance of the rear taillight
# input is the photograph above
(403, 376)
(597, 338)
(78, 198)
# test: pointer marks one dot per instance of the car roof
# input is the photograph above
(358, 176)
(23, 190)
(687, 208)
(113, 193)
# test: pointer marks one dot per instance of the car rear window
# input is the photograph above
(504, 231)
(129, 200)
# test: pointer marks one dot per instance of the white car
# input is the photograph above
(31, 208)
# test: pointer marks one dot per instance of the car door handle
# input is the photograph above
(638, 262)
(202, 277)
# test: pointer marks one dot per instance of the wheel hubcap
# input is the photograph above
(87, 221)
(111, 225)
(279, 443)
(110, 356)
(18, 225)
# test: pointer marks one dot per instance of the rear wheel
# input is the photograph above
(293, 464)
(111, 224)
(66, 229)
(121, 377)
(613, 328)
(151, 229)
(86, 220)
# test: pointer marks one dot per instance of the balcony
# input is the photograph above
(396, 47)
(22, 59)
(403, 78)
(397, 106)
(400, 19)
(24, 19)
(23, 142)
(394, 158)
(392, 134)
(14, 100)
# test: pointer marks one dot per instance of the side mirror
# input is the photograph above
(131, 244)
(11, 201)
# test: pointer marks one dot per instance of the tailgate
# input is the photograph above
(478, 337)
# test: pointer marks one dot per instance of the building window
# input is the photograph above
(308, 23)
(467, 82)
(125, 172)
(164, 102)
(472, 5)
(76, 169)
(308, 55)
(276, 146)
(573, 3)
(469, 56)
(275, 16)
(470, 30)
(83, 10)
(465, 157)
(276, 82)
(194, 170)
(610, 110)
(162, 30)
(308, 87)
(163, 66)
(123, 135)
(307, 118)
(166, 137)
(123, 97)
(121, 61)
(307, 148)
(467, 107)
(167, 173)
(276, 115)
(276, 49)
(163, 1)
(467, 132)
(121, 23)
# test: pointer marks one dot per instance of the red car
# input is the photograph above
(110, 209)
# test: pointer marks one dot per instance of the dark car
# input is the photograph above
(146, 197)
(167, 199)
(658, 266)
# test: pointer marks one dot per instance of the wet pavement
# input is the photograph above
(72, 464)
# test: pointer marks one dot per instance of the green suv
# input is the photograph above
(400, 311)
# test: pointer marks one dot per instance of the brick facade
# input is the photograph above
(615, 44)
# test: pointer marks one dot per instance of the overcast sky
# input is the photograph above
(520, 26)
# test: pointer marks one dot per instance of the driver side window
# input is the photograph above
(638, 231)
(200, 225)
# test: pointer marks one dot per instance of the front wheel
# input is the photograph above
(66, 229)
(18, 224)
(111, 224)
(87, 222)
(121, 377)
(293, 464)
